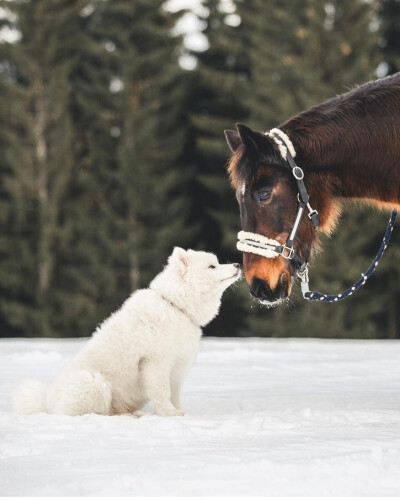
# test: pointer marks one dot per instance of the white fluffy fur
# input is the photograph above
(141, 352)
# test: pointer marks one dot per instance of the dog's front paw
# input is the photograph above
(171, 413)
(139, 413)
(175, 413)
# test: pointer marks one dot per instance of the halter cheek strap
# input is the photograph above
(270, 248)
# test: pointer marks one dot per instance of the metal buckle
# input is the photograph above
(290, 252)
(312, 213)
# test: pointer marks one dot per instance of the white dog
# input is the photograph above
(141, 352)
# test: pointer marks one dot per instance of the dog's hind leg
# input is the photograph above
(79, 392)
(156, 385)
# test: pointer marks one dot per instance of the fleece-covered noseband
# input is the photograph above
(270, 248)
(258, 244)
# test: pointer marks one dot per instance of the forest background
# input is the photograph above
(112, 152)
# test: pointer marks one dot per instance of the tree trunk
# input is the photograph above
(41, 156)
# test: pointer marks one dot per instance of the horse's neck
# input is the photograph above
(359, 167)
(351, 152)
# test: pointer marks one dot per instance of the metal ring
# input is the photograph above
(300, 175)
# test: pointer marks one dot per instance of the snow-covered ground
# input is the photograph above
(265, 417)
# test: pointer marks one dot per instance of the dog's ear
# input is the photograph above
(179, 257)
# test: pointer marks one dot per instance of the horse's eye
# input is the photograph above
(211, 267)
(264, 196)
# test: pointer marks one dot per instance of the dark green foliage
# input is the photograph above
(216, 102)
(390, 35)
(152, 172)
(112, 154)
(298, 61)
(39, 137)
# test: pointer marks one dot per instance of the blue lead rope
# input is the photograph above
(311, 296)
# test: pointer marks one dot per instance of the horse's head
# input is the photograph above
(267, 196)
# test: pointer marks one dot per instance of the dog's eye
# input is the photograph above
(211, 267)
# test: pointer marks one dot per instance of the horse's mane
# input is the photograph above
(332, 120)
(366, 98)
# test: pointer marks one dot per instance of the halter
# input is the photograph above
(270, 248)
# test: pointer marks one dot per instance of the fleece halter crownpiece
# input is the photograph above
(270, 248)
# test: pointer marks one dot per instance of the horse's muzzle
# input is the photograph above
(262, 291)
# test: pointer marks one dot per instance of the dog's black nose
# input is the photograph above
(236, 264)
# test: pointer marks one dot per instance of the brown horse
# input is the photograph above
(348, 148)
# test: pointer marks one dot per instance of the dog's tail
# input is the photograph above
(30, 397)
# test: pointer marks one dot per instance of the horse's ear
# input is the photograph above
(252, 140)
(255, 142)
(233, 140)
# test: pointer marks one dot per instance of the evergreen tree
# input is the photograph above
(112, 154)
(109, 132)
(151, 172)
(390, 35)
(54, 216)
(217, 100)
(35, 184)
(386, 313)
(91, 274)
(301, 54)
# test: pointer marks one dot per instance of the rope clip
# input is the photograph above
(303, 275)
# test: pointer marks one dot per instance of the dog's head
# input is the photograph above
(195, 282)
(202, 272)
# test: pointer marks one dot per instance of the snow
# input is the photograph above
(265, 417)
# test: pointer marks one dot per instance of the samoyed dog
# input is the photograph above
(143, 351)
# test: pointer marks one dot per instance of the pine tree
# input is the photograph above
(53, 209)
(219, 84)
(17, 272)
(300, 54)
(112, 154)
(389, 42)
(91, 271)
(35, 183)
(387, 291)
(151, 172)
(110, 73)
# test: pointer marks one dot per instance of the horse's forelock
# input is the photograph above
(242, 167)
(238, 168)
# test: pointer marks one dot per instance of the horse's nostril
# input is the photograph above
(236, 264)
(262, 291)
(282, 289)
